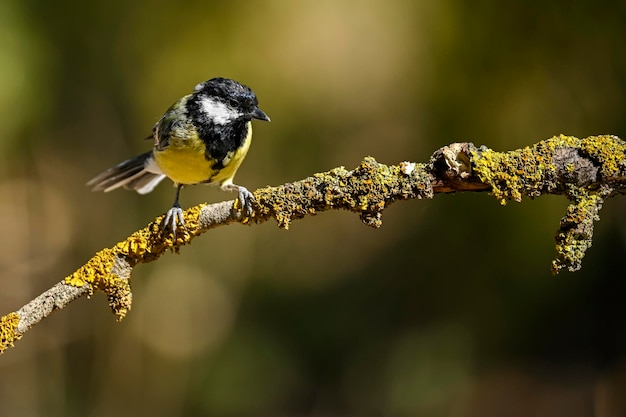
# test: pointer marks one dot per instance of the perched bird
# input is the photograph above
(201, 139)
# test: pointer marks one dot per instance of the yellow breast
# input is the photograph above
(184, 161)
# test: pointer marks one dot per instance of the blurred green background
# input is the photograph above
(448, 310)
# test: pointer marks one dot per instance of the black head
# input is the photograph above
(224, 100)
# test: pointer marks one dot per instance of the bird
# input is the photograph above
(201, 139)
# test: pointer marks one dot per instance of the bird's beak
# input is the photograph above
(259, 114)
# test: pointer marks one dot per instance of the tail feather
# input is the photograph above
(139, 173)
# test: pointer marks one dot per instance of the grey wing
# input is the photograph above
(139, 173)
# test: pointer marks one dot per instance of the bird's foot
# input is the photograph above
(173, 219)
(246, 199)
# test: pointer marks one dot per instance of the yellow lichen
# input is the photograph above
(144, 245)
(8, 330)
(532, 171)
(576, 231)
(94, 271)
(364, 190)
(607, 150)
(510, 174)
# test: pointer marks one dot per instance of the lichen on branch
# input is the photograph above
(365, 190)
(586, 171)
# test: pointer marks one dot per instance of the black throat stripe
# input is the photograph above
(220, 140)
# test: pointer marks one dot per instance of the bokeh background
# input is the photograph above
(448, 310)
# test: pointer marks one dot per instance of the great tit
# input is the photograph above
(201, 139)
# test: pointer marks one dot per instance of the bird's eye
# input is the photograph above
(233, 102)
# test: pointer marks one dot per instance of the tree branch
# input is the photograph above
(586, 171)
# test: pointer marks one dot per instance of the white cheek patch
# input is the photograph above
(217, 111)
